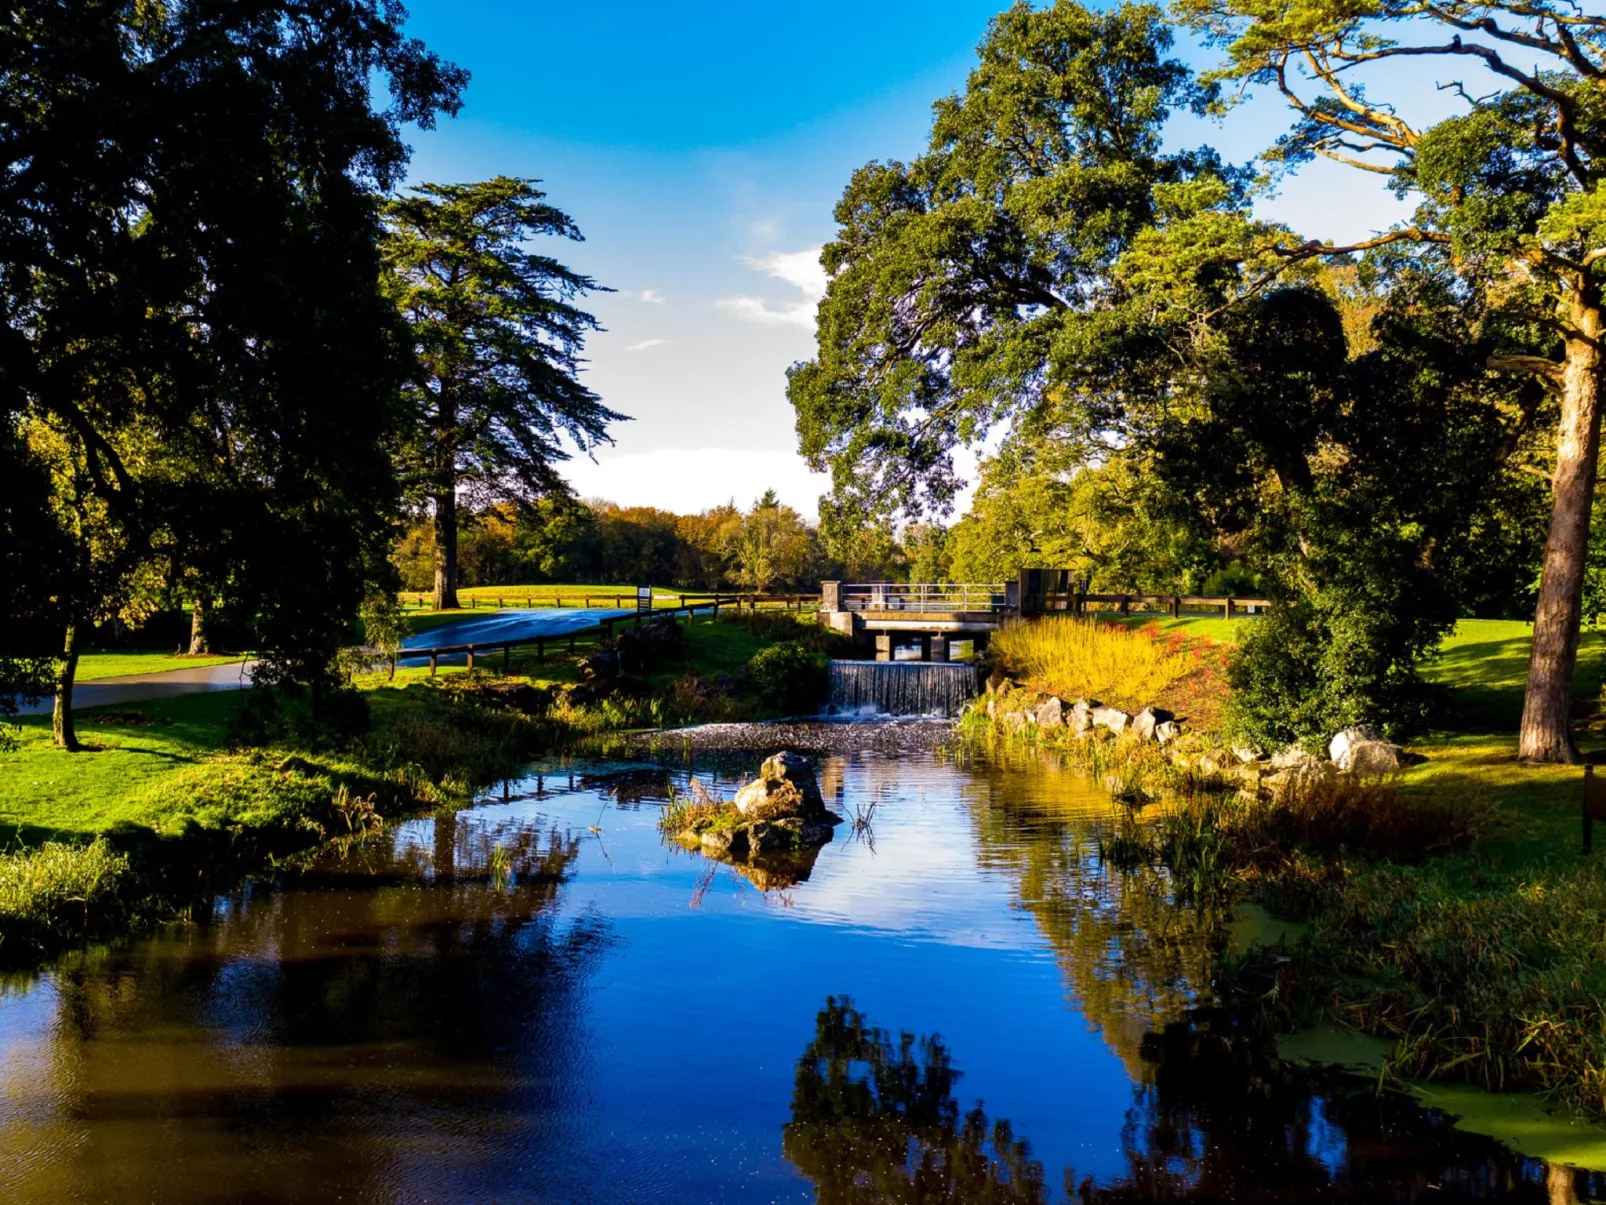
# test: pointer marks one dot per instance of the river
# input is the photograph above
(538, 1000)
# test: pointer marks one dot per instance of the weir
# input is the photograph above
(902, 687)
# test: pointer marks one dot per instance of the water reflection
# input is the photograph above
(521, 1003)
(382, 1011)
(875, 1121)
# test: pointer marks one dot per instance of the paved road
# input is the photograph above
(136, 687)
(479, 629)
(499, 626)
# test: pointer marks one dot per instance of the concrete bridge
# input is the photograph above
(951, 621)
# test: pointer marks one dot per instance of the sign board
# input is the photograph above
(643, 600)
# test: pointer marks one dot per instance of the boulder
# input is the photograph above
(1338, 748)
(1292, 756)
(1299, 776)
(1112, 718)
(1369, 759)
(1050, 713)
(1147, 720)
(725, 840)
(1080, 718)
(785, 787)
(1167, 731)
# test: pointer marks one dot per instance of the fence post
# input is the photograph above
(471, 657)
(540, 650)
(1229, 608)
(432, 656)
(1176, 606)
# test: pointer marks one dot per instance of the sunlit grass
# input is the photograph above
(1078, 658)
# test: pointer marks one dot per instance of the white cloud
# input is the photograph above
(801, 270)
(650, 296)
(687, 480)
(646, 343)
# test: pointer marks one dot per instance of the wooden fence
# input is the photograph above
(1172, 604)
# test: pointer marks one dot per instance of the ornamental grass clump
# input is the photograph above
(56, 891)
(1083, 658)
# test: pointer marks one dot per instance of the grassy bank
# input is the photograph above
(178, 797)
(1449, 910)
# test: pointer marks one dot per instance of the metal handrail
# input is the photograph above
(923, 596)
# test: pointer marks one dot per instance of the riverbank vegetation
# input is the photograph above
(171, 798)
(1447, 908)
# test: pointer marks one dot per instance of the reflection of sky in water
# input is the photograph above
(389, 1025)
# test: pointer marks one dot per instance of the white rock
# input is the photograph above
(1112, 718)
(1369, 759)
(1292, 756)
(1338, 748)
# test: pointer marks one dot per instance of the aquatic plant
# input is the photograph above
(58, 890)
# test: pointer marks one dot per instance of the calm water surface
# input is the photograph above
(537, 1000)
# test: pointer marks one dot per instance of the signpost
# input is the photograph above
(643, 600)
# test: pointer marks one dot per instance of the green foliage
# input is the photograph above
(498, 340)
(953, 278)
(788, 676)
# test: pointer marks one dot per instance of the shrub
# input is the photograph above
(1306, 671)
(1085, 658)
(787, 675)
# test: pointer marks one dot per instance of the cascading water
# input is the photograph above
(902, 687)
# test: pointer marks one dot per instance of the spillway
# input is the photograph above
(901, 687)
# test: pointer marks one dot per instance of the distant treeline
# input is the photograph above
(768, 547)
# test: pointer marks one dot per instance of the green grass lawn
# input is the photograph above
(1209, 627)
(122, 663)
(45, 793)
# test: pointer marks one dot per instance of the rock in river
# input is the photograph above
(785, 787)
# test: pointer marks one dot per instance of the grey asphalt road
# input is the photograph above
(493, 628)
(500, 626)
(139, 687)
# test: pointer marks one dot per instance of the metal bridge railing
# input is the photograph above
(928, 596)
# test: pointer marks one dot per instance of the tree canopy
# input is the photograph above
(498, 340)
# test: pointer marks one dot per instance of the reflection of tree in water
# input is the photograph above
(1134, 960)
(380, 1002)
(1223, 1122)
(875, 1121)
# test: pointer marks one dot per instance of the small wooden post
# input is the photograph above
(1594, 805)
(507, 653)
(1229, 608)
(540, 650)
(499, 602)
(1126, 604)
(1176, 606)
(432, 656)
(471, 657)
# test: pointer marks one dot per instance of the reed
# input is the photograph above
(1082, 658)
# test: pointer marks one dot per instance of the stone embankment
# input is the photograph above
(1361, 751)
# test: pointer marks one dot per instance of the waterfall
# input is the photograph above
(902, 687)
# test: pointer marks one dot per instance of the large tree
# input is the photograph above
(498, 339)
(953, 277)
(1510, 192)
(190, 284)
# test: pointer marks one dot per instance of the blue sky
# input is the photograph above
(701, 146)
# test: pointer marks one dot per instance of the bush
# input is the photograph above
(788, 676)
(57, 891)
(1307, 671)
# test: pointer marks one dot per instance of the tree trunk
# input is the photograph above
(66, 736)
(446, 550)
(1548, 703)
(200, 645)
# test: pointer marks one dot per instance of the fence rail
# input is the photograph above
(1173, 604)
(923, 596)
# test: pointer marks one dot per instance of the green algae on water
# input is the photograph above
(1519, 1121)
(1254, 927)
